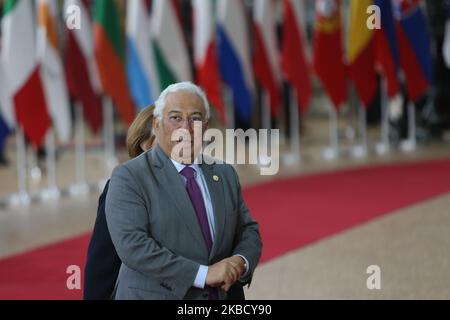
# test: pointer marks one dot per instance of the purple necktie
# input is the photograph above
(195, 194)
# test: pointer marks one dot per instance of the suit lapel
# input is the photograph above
(218, 203)
(173, 184)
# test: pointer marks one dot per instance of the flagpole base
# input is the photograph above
(50, 194)
(79, 189)
(358, 152)
(19, 199)
(330, 153)
(382, 148)
(291, 159)
(408, 145)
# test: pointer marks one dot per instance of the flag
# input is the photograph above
(328, 53)
(414, 48)
(5, 107)
(141, 68)
(234, 55)
(171, 54)
(82, 77)
(22, 70)
(446, 44)
(386, 47)
(4, 133)
(205, 53)
(360, 51)
(110, 57)
(266, 53)
(52, 70)
(293, 57)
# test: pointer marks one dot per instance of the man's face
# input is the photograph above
(184, 110)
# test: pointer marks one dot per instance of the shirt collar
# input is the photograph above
(180, 166)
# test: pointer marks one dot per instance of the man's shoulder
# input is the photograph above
(136, 166)
(137, 161)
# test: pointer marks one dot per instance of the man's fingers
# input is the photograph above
(230, 276)
(234, 270)
(226, 287)
(224, 274)
(234, 265)
(239, 266)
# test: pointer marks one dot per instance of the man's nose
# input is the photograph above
(186, 125)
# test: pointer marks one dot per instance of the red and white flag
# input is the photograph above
(81, 72)
(22, 70)
(266, 54)
(294, 60)
(6, 109)
(52, 70)
(205, 53)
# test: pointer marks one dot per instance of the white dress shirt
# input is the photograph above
(200, 279)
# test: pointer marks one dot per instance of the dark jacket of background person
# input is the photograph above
(103, 263)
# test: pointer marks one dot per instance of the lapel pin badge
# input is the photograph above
(215, 178)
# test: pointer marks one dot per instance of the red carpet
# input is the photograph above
(292, 213)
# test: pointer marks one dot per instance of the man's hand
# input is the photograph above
(225, 272)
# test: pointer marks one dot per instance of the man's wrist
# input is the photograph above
(244, 263)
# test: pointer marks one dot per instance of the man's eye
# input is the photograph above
(196, 119)
(175, 118)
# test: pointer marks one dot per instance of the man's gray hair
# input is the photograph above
(160, 103)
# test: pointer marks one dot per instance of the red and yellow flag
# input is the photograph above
(361, 52)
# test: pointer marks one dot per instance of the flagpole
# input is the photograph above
(383, 146)
(266, 124)
(22, 197)
(230, 124)
(108, 136)
(266, 117)
(411, 143)
(332, 152)
(80, 186)
(229, 108)
(294, 156)
(360, 151)
(52, 191)
(282, 126)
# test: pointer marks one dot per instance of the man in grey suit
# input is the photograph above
(180, 227)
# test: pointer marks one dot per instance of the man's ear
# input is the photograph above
(155, 125)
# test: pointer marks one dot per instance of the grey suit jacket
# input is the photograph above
(155, 230)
